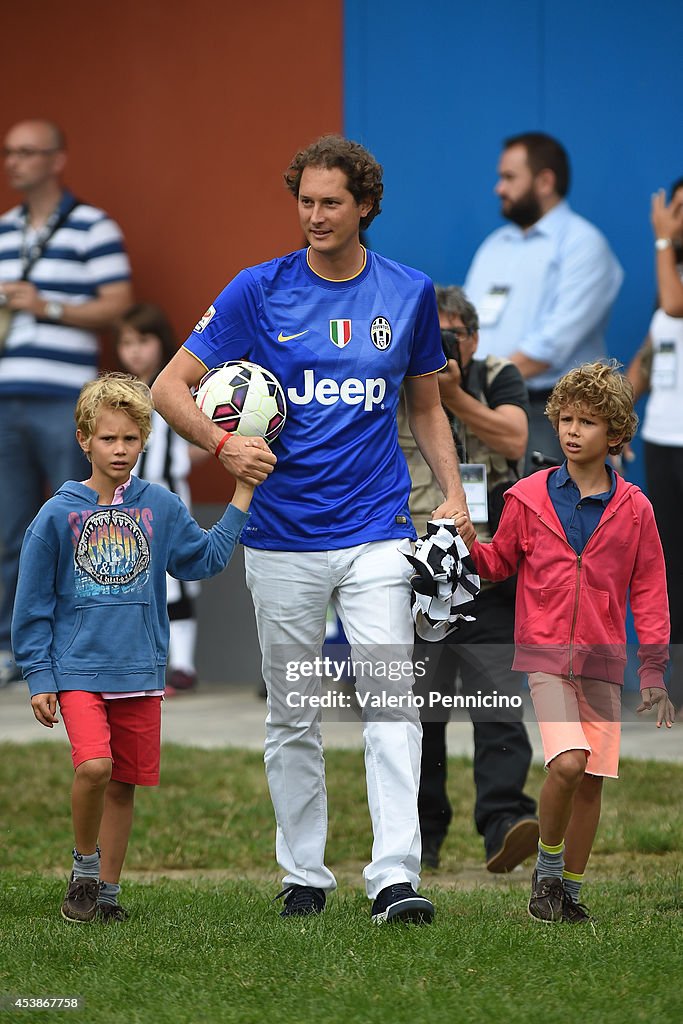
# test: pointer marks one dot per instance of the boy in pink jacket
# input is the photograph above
(581, 539)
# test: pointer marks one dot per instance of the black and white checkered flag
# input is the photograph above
(444, 583)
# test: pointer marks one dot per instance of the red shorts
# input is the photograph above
(127, 730)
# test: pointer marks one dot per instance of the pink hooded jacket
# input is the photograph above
(570, 616)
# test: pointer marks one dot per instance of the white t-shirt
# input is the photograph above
(663, 422)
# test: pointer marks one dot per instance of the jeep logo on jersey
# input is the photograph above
(340, 332)
(380, 332)
(352, 391)
(205, 320)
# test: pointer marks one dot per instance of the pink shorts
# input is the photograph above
(580, 714)
(127, 730)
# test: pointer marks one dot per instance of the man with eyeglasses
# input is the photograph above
(545, 283)
(64, 276)
(487, 405)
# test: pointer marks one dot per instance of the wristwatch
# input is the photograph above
(662, 243)
(54, 310)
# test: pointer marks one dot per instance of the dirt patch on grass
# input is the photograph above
(466, 877)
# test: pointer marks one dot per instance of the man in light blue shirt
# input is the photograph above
(545, 283)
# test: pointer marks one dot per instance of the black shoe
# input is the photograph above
(516, 840)
(573, 912)
(80, 902)
(400, 902)
(112, 912)
(301, 900)
(431, 845)
(547, 898)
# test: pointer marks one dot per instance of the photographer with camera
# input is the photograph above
(487, 405)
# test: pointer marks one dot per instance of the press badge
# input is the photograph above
(491, 307)
(664, 366)
(473, 476)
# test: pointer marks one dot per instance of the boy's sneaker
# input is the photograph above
(112, 912)
(547, 898)
(400, 902)
(80, 902)
(573, 912)
(302, 900)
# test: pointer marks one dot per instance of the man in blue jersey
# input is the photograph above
(342, 328)
(64, 276)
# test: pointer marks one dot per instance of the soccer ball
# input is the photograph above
(243, 398)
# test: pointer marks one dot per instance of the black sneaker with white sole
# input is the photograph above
(301, 900)
(400, 902)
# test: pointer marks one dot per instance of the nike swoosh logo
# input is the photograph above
(290, 337)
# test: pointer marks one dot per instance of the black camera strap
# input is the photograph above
(30, 254)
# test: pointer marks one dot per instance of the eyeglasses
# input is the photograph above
(26, 152)
(461, 333)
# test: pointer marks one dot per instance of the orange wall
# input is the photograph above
(180, 117)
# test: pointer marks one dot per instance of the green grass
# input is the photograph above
(220, 953)
(205, 943)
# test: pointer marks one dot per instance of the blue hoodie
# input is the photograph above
(90, 608)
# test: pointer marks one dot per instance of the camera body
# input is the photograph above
(451, 346)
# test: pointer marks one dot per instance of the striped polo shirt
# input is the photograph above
(86, 252)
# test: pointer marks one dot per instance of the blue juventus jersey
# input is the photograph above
(340, 350)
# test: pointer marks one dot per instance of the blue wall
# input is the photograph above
(432, 92)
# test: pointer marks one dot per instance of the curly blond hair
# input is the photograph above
(119, 391)
(363, 173)
(601, 390)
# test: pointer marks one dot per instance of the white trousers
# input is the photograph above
(368, 586)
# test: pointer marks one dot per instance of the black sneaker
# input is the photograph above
(431, 857)
(80, 902)
(515, 841)
(400, 902)
(573, 912)
(301, 900)
(547, 898)
(112, 912)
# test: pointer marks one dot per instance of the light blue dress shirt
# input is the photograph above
(562, 279)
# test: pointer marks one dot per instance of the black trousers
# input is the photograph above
(664, 472)
(482, 651)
